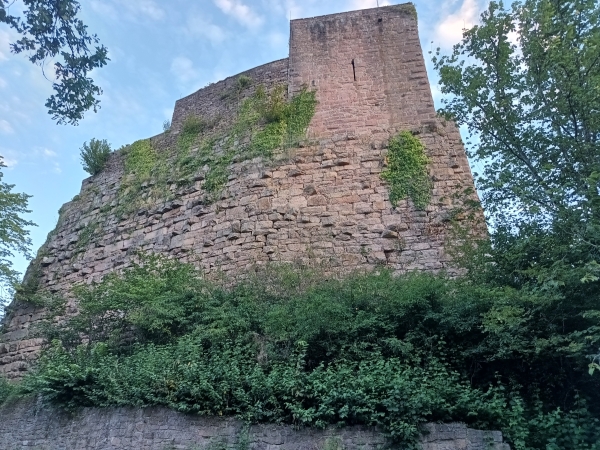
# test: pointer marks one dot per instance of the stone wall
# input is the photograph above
(367, 67)
(323, 203)
(25, 425)
(217, 103)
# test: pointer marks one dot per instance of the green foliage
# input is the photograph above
(293, 346)
(243, 82)
(140, 158)
(525, 83)
(14, 236)
(532, 105)
(86, 235)
(406, 170)
(94, 155)
(52, 31)
(266, 121)
(408, 8)
(193, 125)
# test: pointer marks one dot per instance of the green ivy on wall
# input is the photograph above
(406, 170)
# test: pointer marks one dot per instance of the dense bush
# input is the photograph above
(94, 155)
(291, 346)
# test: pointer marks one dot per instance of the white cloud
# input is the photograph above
(49, 156)
(5, 127)
(183, 69)
(48, 153)
(6, 37)
(277, 40)
(240, 12)
(147, 8)
(286, 8)
(135, 9)
(44, 153)
(198, 26)
(365, 4)
(104, 9)
(449, 31)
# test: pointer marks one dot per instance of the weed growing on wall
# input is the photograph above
(86, 235)
(406, 170)
(266, 121)
(140, 158)
(94, 155)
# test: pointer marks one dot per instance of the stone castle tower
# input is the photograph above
(324, 201)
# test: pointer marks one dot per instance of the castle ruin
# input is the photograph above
(323, 200)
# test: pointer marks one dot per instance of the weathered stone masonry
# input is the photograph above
(26, 425)
(322, 202)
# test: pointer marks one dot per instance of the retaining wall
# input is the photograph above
(26, 425)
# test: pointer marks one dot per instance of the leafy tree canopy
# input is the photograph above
(50, 29)
(526, 83)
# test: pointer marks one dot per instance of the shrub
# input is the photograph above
(243, 82)
(295, 346)
(94, 155)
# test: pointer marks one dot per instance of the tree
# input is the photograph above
(94, 155)
(526, 83)
(14, 236)
(50, 29)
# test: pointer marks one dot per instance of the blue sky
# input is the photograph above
(158, 54)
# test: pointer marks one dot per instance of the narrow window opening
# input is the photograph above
(354, 70)
(379, 20)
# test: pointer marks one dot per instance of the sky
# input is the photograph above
(158, 54)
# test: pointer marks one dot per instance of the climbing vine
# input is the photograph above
(406, 170)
